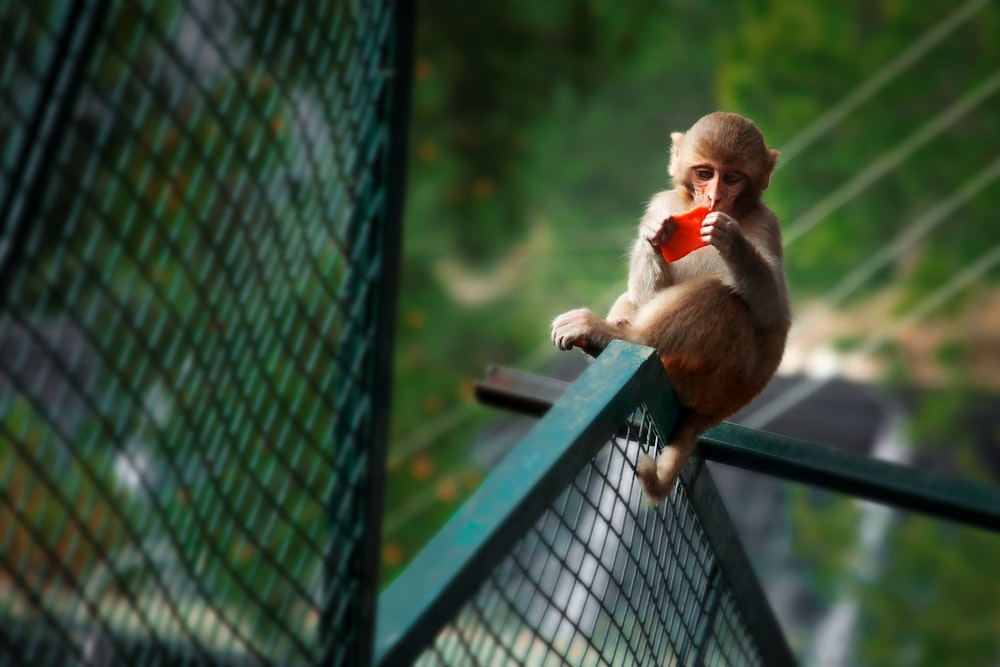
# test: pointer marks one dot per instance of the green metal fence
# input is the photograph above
(555, 560)
(199, 207)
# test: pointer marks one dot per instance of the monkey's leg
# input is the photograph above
(657, 477)
(622, 311)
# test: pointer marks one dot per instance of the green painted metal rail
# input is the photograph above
(893, 484)
(555, 559)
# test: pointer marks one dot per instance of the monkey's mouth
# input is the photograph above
(726, 206)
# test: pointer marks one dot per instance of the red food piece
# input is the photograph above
(687, 236)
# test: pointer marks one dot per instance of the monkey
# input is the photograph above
(719, 316)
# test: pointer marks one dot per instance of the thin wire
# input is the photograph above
(853, 281)
(889, 160)
(920, 228)
(451, 419)
(879, 79)
(422, 438)
(808, 386)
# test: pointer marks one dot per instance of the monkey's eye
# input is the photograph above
(703, 174)
(732, 178)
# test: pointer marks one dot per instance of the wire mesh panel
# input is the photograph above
(600, 579)
(198, 231)
(556, 559)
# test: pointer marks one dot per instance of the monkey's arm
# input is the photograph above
(648, 271)
(623, 310)
(754, 260)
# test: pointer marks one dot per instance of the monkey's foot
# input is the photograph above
(653, 488)
(580, 328)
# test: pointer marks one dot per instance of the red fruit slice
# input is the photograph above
(687, 236)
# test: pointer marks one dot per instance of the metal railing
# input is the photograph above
(199, 237)
(555, 559)
(903, 487)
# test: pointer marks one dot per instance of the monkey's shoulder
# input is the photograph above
(761, 225)
(669, 202)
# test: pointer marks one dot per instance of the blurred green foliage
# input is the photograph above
(935, 602)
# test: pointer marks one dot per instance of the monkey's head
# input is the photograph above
(722, 163)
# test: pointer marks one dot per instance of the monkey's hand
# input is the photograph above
(581, 328)
(721, 231)
(656, 226)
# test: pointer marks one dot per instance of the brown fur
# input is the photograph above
(718, 317)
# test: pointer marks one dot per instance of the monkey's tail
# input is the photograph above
(657, 476)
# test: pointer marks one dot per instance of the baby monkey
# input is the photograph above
(719, 316)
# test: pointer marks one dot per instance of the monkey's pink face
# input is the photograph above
(716, 186)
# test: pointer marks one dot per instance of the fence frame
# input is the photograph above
(395, 106)
(436, 584)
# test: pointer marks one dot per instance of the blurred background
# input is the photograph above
(538, 132)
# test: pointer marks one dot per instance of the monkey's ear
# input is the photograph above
(772, 161)
(675, 152)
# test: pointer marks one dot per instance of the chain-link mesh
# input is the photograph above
(196, 245)
(602, 580)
